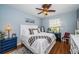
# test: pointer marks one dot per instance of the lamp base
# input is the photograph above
(8, 34)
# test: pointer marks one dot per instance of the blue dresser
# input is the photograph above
(8, 44)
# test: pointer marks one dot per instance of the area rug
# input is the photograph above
(22, 50)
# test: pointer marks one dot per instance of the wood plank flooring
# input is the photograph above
(60, 48)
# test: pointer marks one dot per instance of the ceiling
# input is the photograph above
(30, 9)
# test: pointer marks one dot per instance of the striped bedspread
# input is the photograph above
(33, 38)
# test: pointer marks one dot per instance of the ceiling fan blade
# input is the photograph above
(51, 10)
(40, 12)
(49, 5)
(46, 6)
(39, 9)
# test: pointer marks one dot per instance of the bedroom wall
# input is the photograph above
(9, 15)
(68, 21)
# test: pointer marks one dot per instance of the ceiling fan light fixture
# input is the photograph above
(45, 13)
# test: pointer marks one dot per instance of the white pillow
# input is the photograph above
(34, 31)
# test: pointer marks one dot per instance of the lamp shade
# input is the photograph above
(8, 28)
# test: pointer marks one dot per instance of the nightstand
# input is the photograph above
(58, 36)
(8, 44)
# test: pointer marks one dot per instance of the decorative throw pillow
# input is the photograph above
(30, 31)
(34, 31)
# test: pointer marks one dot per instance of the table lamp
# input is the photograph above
(8, 29)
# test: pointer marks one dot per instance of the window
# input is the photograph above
(54, 25)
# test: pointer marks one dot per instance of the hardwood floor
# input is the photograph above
(60, 48)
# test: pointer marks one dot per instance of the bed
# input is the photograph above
(37, 42)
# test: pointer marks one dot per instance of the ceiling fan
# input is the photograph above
(45, 9)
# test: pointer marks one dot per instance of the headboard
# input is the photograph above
(24, 30)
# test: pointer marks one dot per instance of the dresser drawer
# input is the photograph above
(7, 42)
(9, 39)
(8, 48)
(8, 45)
